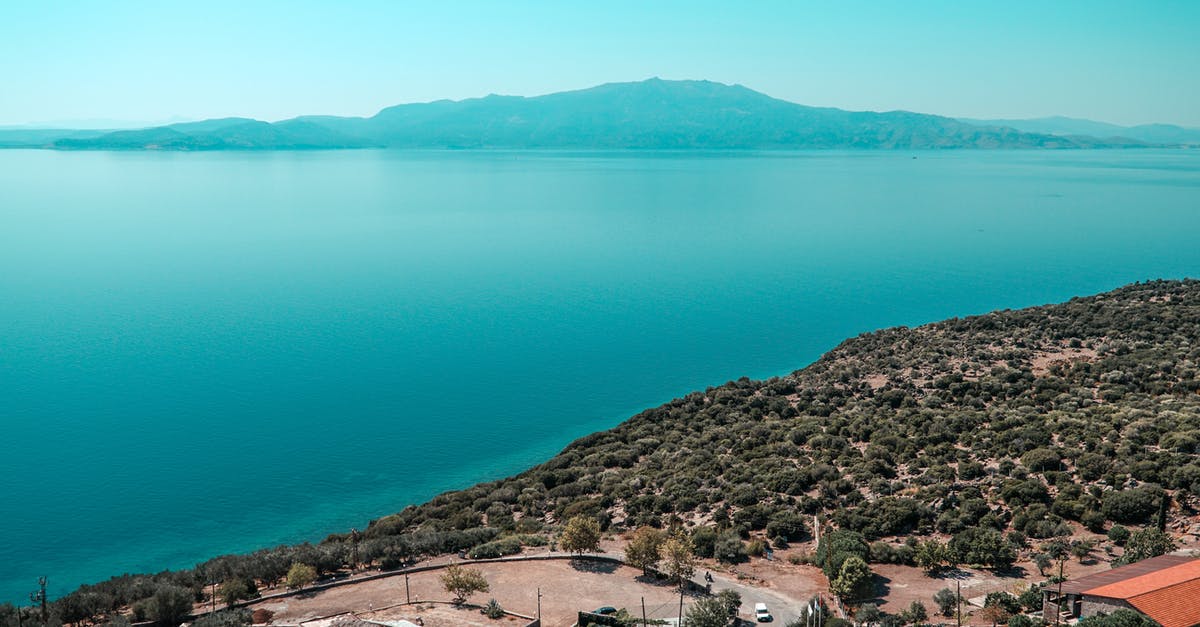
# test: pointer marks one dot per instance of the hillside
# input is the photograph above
(1167, 134)
(651, 114)
(999, 433)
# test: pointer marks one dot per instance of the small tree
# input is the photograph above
(643, 548)
(853, 578)
(1043, 562)
(998, 607)
(300, 575)
(170, 605)
(1031, 598)
(915, 613)
(947, 601)
(463, 582)
(234, 590)
(708, 612)
(731, 600)
(678, 558)
(582, 534)
(931, 555)
(1080, 549)
(869, 614)
(1147, 543)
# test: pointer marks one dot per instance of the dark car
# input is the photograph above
(607, 609)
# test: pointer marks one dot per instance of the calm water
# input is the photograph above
(208, 353)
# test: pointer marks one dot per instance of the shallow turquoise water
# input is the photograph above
(208, 353)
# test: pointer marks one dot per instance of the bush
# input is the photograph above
(756, 548)
(704, 540)
(1118, 535)
(492, 610)
(1133, 506)
(496, 548)
(985, 547)
(787, 523)
(947, 601)
(1020, 620)
(1146, 543)
(729, 548)
(170, 605)
(1093, 521)
(1042, 460)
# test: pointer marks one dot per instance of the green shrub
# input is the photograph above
(497, 548)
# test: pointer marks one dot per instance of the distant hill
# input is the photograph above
(1057, 125)
(651, 114)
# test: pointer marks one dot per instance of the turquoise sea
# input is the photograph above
(210, 353)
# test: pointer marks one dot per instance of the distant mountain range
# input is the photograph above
(1058, 125)
(651, 114)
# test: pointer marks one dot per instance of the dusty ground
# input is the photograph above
(566, 587)
(905, 584)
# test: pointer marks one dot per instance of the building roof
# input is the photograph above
(1123, 573)
(1166, 590)
(1173, 606)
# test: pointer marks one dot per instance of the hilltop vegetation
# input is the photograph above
(651, 114)
(999, 433)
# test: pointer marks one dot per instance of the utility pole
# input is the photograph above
(644, 621)
(214, 596)
(681, 604)
(407, 597)
(539, 600)
(958, 601)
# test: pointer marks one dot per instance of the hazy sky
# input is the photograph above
(1124, 62)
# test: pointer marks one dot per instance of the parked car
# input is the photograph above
(762, 614)
(606, 610)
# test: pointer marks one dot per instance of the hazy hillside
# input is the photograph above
(1003, 434)
(652, 114)
(1058, 125)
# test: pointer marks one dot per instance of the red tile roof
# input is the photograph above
(1170, 595)
(1122, 573)
(1149, 582)
(1173, 606)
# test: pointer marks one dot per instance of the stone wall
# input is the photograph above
(1098, 605)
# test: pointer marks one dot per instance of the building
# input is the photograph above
(1164, 588)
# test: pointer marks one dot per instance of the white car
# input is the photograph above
(762, 614)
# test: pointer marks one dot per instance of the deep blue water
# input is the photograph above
(209, 353)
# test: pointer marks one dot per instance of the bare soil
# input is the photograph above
(566, 587)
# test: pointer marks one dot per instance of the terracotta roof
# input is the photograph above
(1167, 590)
(1149, 582)
(1173, 606)
(1122, 573)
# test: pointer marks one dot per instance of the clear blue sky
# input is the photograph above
(1124, 62)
